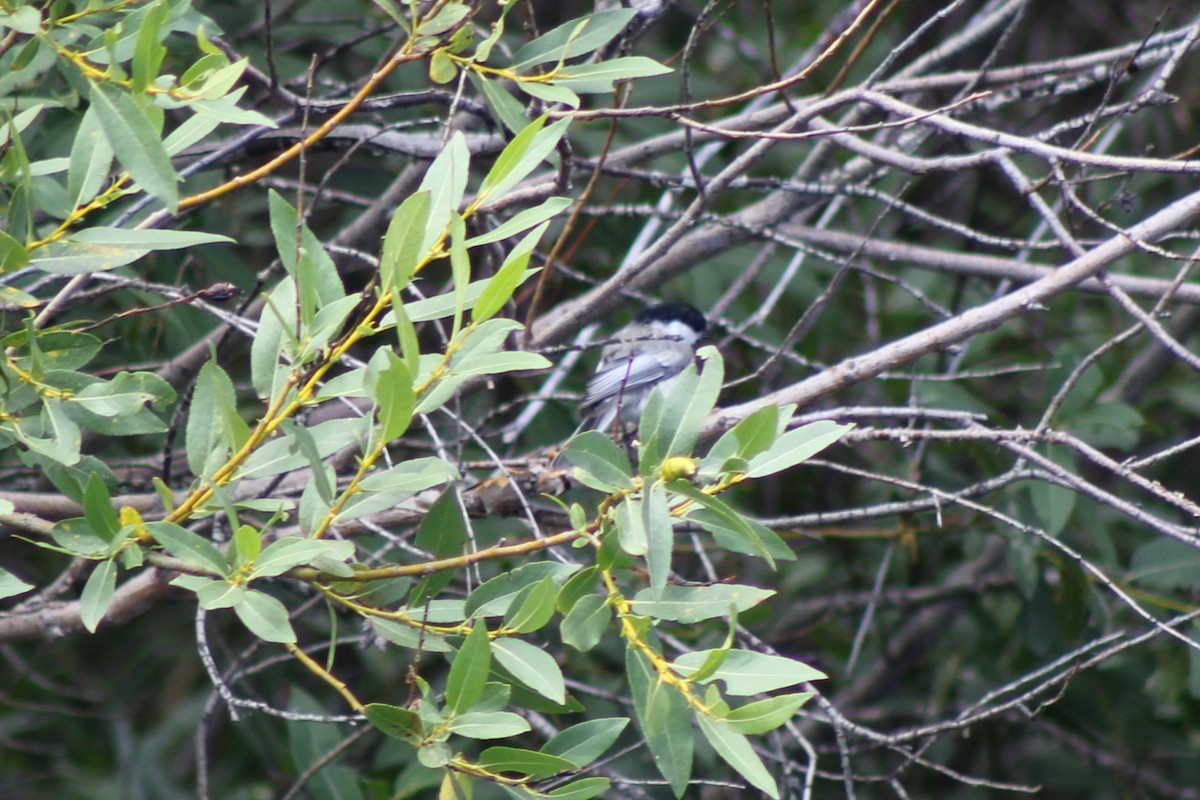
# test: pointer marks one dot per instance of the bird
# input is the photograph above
(649, 352)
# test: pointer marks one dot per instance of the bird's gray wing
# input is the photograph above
(622, 374)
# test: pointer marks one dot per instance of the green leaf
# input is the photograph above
(442, 531)
(289, 552)
(496, 697)
(690, 604)
(796, 446)
(187, 546)
(1052, 503)
(28, 54)
(754, 434)
(306, 291)
(275, 341)
(434, 755)
(216, 83)
(440, 611)
(732, 530)
(469, 670)
(766, 715)
(550, 93)
(599, 78)
(316, 281)
(91, 157)
(447, 18)
(328, 322)
(328, 563)
(393, 14)
(165, 496)
(1114, 425)
(396, 722)
(1165, 564)
(24, 19)
(314, 506)
(17, 168)
(575, 38)
(214, 427)
(285, 453)
(747, 536)
(660, 537)
(488, 724)
(60, 350)
(194, 129)
(532, 666)
(525, 762)
(76, 537)
(603, 459)
(663, 717)
(712, 662)
(125, 396)
(505, 109)
(506, 164)
(493, 597)
(484, 50)
(11, 585)
(745, 672)
(136, 144)
(442, 68)
(402, 243)
(460, 272)
(210, 113)
(13, 256)
(408, 637)
(266, 617)
(583, 789)
(497, 363)
(578, 586)
(525, 153)
(477, 350)
(736, 751)
(441, 392)
(631, 527)
(98, 508)
(585, 742)
(533, 606)
(585, 624)
(98, 249)
(395, 397)
(446, 182)
(148, 53)
(406, 333)
(525, 698)
(97, 594)
(218, 594)
(670, 424)
(650, 443)
(16, 124)
(522, 221)
(389, 487)
(294, 240)
(443, 305)
(414, 475)
(64, 438)
(502, 285)
(692, 406)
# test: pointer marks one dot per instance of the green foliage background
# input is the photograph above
(996, 567)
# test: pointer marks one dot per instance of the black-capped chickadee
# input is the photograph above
(651, 351)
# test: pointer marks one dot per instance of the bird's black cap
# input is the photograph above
(673, 312)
